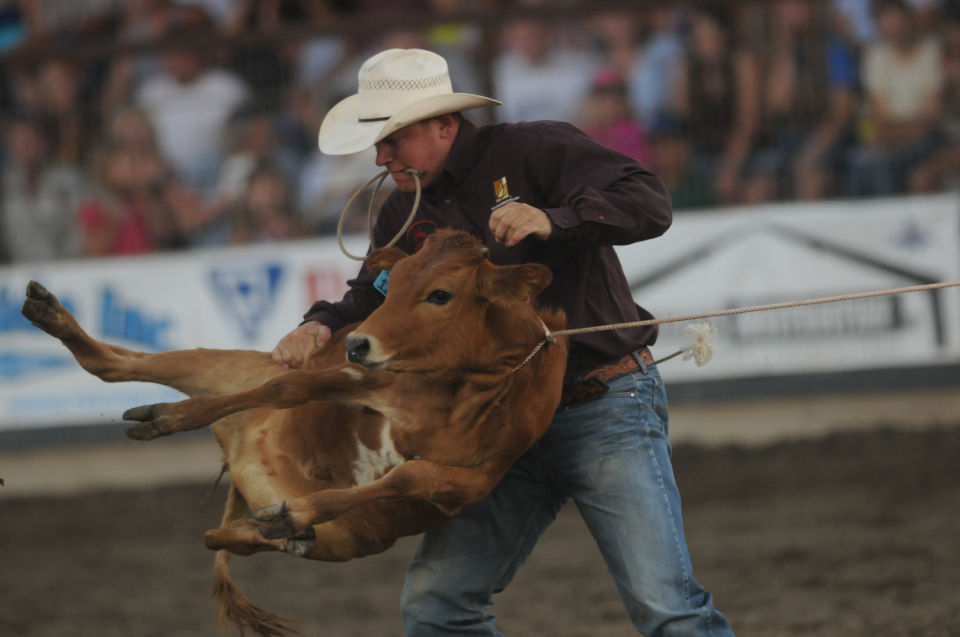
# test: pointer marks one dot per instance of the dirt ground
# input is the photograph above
(849, 534)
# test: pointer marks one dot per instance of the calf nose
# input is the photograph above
(358, 348)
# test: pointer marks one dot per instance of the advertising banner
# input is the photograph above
(229, 298)
(249, 297)
(789, 252)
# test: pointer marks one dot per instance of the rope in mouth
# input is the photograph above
(379, 178)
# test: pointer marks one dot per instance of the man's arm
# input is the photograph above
(601, 197)
(359, 301)
(325, 317)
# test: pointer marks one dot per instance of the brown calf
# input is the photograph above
(339, 459)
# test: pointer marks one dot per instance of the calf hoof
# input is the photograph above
(153, 422)
(144, 431)
(302, 544)
(148, 429)
(44, 311)
(277, 523)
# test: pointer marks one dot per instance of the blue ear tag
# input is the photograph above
(381, 282)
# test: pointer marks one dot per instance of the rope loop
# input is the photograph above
(379, 178)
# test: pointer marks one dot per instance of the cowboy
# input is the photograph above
(533, 192)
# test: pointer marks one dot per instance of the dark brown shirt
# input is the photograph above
(595, 198)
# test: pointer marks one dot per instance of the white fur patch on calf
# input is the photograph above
(373, 464)
(355, 374)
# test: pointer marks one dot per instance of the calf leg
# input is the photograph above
(194, 372)
(234, 606)
(326, 542)
(446, 487)
(344, 384)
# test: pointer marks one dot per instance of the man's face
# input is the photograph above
(423, 146)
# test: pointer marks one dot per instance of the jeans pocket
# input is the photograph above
(651, 401)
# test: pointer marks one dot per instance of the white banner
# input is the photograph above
(230, 298)
(788, 252)
(249, 297)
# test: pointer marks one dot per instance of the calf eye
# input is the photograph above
(439, 297)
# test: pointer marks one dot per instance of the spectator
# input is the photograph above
(463, 37)
(326, 185)
(74, 125)
(218, 11)
(129, 125)
(145, 21)
(671, 154)
(652, 75)
(942, 170)
(254, 144)
(903, 79)
(395, 8)
(537, 78)
(318, 59)
(297, 123)
(855, 20)
(13, 26)
(128, 214)
(265, 66)
(265, 213)
(614, 35)
(196, 223)
(606, 117)
(39, 196)
(718, 98)
(809, 103)
(190, 104)
(928, 13)
(174, 210)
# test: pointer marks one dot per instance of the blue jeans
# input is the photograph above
(612, 456)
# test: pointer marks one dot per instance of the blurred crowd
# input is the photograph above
(197, 126)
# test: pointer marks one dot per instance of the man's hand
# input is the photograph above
(297, 346)
(516, 221)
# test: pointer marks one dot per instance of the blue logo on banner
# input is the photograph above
(10, 317)
(131, 323)
(15, 364)
(248, 294)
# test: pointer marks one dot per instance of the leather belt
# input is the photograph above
(595, 382)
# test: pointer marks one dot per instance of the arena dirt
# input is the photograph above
(852, 534)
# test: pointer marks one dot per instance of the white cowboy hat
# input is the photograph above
(397, 87)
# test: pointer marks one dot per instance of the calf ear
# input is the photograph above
(501, 284)
(384, 259)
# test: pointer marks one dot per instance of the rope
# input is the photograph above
(547, 338)
(550, 337)
(343, 215)
(758, 308)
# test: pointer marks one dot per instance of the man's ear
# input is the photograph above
(503, 284)
(384, 259)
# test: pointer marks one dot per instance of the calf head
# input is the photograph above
(448, 307)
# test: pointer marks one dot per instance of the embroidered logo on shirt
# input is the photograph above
(500, 190)
(501, 194)
(418, 233)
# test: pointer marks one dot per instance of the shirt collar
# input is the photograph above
(460, 160)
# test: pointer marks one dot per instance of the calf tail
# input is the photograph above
(235, 607)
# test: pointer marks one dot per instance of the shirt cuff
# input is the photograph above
(564, 223)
